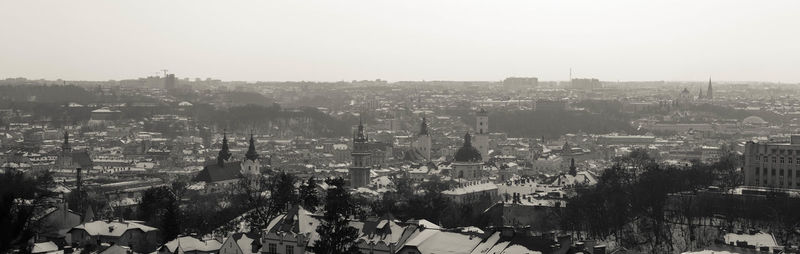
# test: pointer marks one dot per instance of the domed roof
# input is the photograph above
(468, 153)
(753, 120)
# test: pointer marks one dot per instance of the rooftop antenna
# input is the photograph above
(165, 72)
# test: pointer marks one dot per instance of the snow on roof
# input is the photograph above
(471, 188)
(112, 228)
(44, 247)
(435, 241)
(758, 239)
(190, 243)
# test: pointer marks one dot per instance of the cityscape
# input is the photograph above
(572, 161)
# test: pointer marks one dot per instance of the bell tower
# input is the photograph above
(423, 140)
(251, 164)
(482, 133)
(360, 167)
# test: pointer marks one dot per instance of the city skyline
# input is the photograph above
(409, 41)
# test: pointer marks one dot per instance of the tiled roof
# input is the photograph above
(215, 173)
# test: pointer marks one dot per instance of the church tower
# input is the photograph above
(224, 153)
(423, 140)
(251, 164)
(467, 162)
(482, 133)
(710, 93)
(66, 147)
(572, 169)
(64, 160)
(360, 167)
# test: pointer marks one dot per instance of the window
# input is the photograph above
(773, 159)
(781, 160)
(289, 249)
(781, 172)
(273, 248)
(757, 171)
(790, 160)
(773, 172)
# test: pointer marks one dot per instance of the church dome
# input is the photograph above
(753, 120)
(468, 153)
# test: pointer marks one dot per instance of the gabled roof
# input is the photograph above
(112, 228)
(216, 173)
(190, 243)
(436, 241)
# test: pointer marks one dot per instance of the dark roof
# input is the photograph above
(216, 173)
(413, 154)
(468, 153)
(82, 158)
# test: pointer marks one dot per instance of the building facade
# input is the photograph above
(774, 165)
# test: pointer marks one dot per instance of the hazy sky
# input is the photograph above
(331, 40)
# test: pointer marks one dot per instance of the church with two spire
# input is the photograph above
(224, 174)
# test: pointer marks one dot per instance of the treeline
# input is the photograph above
(643, 205)
(58, 94)
(308, 122)
(550, 124)
(424, 200)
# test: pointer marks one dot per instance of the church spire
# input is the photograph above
(224, 153)
(251, 151)
(467, 140)
(710, 93)
(360, 136)
(66, 147)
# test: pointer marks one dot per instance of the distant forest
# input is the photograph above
(47, 103)
(550, 124)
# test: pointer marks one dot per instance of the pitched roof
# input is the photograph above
(111, 228)
(190, 243)
(216, 173)
(436, 241)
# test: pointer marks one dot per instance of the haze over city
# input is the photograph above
(402, 40)
(399, 127)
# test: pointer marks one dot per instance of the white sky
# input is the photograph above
(331, 40)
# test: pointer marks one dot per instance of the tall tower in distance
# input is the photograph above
(423, 141)
(482, 133)
(360, 167)
(710, 93)
(169, 81)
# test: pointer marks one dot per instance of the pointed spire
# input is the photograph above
(710, 93)
(467, 140)
(360, 136)
(224, 153)
(251, 151)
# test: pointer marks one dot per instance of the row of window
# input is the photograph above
(779, 160)
(780, 183)
(773, 171)
(272, 248)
